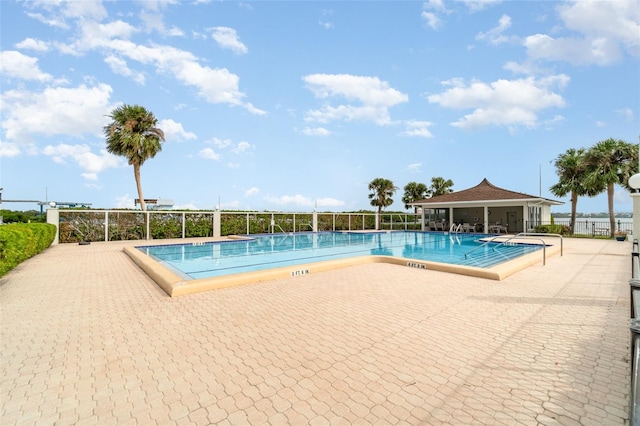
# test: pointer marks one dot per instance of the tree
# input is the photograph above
(413, 192)
(383, 189)
(571, 171)
(608, 163)
(132, 134)
(440, 186)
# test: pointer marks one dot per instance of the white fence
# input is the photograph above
(115, 225)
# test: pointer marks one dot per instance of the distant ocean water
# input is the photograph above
(566, 220)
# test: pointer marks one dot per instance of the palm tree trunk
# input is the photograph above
(136, 174)
(574, 205)
(612, 220)
(143, 205)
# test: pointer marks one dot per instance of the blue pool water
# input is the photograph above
(213, 259)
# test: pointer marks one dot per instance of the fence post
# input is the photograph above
(53, 217)
(216, 223)
(315, 221)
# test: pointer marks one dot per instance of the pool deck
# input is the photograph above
(88, 338)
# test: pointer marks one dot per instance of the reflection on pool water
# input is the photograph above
(263, 252)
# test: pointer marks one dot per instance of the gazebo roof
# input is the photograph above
(484, 191)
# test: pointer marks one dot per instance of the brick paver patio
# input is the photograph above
(87, 338)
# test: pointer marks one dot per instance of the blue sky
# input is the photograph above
(291, 105)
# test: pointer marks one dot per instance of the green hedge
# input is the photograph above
(553, 229)
(20, 241)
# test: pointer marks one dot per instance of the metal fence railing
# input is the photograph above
(75, 225)
(634, 288)
(594, 228)
(117, 225)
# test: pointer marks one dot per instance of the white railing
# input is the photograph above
(113, 225)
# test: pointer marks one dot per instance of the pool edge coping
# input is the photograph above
(174, 285)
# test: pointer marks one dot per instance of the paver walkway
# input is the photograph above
(87, 338)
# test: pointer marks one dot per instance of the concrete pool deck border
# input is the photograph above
(175, 285)
(87, 338)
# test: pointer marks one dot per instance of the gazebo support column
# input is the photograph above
(486, 219)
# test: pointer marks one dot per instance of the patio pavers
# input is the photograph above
(88, 338)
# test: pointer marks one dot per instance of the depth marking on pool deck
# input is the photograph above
(416, 265)
(299, 272)
(175, 285)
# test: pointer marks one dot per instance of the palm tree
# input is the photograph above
(132, 134)
(610, 162)
(440, 186)
(571, 171)
(383, 189)
(414, 191)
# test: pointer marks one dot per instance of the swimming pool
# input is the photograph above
(302, 253)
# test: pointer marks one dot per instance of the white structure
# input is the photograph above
(486, 206)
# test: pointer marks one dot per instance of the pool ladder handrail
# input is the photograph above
(456, 229)
(273, 226)
(522, 235)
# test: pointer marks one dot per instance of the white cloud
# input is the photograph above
(9, 149)
(119, 66)
(55, 111)
(216, 85)
(329, 202)
(417, 128)
(315, 131)
(510, 103)
(251, 192)
(432, 19)
(617, 20)
(577, 51)
(374, 95)
(603, 31)
(431, 11)
(174, 131)
(437, 5)
(495, 35)
(242, 147)
(209, 154)
(124, 202)
(414, 167)
(90, 163)
(14, 64)
(476, 5)
(227, 38)
(221, 143)
(33, 44)
(300, 200)
(626, 112)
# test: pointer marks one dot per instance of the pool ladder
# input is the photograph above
(274, 225)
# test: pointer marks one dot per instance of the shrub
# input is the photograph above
(20, 241)
(553, 229)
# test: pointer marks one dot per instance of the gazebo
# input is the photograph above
(486, 207)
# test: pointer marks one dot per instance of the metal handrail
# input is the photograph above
(544, 246)
(523, 235)
(634, 286)
(542, 234)
(634, 404)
